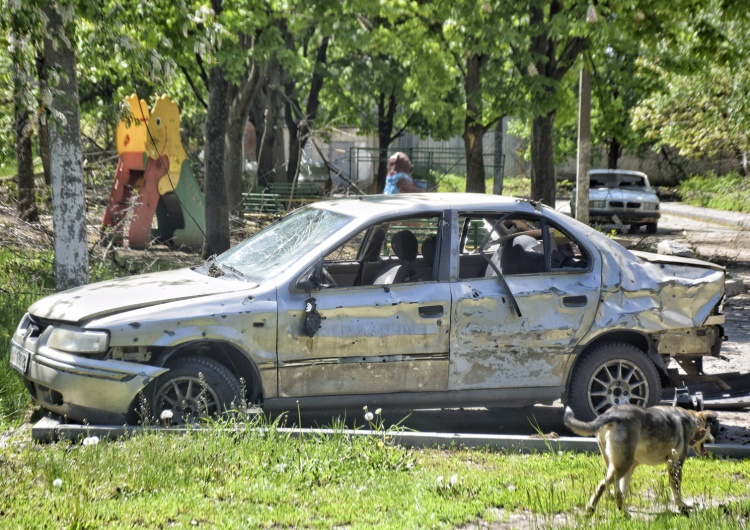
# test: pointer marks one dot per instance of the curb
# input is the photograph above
(706, 214)
(50, 430)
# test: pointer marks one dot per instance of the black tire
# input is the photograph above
(610, 374)
(195, 388)
(650, 228)
(634, 228)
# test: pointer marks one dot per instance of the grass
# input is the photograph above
(729, 192)
(268, 479)
(512, 186)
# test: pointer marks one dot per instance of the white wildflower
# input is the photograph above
(369, 416)
(166, 414)
(378, 412)
(57, 482)
(454, 480)
(90, 440)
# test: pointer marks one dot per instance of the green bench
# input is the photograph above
(298, 194)
(263, 205)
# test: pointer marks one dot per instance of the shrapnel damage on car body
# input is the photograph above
(427, 300)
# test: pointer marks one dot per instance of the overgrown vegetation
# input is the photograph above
(728, 192)
(235, 476)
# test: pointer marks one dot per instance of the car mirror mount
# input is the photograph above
(312, 279)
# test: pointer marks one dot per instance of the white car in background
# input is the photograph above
(621, 197)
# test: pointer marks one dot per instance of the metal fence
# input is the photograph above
(428, 163)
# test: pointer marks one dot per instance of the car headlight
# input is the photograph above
(650, 205)
(76, 341)
(597, 204)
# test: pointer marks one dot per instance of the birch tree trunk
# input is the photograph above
(66, 158)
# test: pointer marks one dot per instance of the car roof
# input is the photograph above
(416, 203)
(618, 171)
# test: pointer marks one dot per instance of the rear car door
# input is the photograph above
(516, 321)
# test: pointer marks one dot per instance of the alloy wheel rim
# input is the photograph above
(618, 382)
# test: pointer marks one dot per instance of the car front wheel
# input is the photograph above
(614, 373)
(651, 228)
(195, 388)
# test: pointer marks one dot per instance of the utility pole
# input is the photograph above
(584, 134)
(584, 147)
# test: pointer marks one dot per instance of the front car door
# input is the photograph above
(516, 320)
(381, 331)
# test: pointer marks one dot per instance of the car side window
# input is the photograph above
(492, 245)
(398, 251)
(566, 253)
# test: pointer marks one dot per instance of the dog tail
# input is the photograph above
(583, 428)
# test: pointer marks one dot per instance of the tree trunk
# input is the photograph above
(473, 137)
(241, 102)
(499, 173)
(43, 131)
(66, 158)
(26, 206)
(386, 117)
(269, 136)
(613, 154)
(474, 129)
(217, 212)
(542, 159)
(233, 163)
(300, 130)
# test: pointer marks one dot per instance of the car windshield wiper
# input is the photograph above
(231, 269)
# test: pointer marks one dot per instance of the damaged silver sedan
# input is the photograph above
(406, 301)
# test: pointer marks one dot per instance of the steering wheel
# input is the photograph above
(328, 279)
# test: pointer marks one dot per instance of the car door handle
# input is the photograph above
(431, 311)
(574, 301)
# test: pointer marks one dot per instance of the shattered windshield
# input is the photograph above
(276, 248)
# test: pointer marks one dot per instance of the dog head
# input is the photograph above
(704, 421)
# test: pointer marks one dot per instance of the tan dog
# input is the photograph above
(629, 435)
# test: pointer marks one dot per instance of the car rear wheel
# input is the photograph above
(195, 388)
(611, 374)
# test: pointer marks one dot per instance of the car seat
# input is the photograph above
(428, 254)
(406, 247)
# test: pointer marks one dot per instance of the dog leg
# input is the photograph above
(609, 479)
(624, 485)
(675, 483)
(595, 497)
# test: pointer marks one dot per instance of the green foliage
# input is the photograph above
(729, 192)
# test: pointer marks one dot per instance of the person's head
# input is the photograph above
(399, 163)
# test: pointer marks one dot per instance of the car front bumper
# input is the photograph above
(625, 216)
(62, 383)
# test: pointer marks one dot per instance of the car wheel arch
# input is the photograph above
(611, 373)
(640, 340)
(235, 360)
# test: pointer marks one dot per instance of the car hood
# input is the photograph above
(132, 292)
(622, 194)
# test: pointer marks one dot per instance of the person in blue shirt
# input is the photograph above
(399, 178)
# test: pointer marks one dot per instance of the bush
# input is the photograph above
(728, 192)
